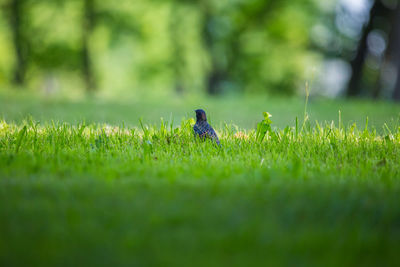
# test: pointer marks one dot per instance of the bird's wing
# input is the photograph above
(205, 130)
(199, 130)
(211, 133)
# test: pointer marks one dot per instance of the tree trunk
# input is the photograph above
(357, 64)
(88, 25)
(396, 44)
(396, 92)
(18, 42)
(214, 81)
(215, 76)
(177, 60)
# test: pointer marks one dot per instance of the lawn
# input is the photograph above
(84, 183)
(244, 112)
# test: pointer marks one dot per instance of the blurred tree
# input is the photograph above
(117, 21)
(394, 46)
(88, 25)
(18, 25)
(256, 45)
(55, 48)
(225, 46)
(383, 18)
(216, 74)
(20, 41)
(36, 42)
(177, 59)
(357, 64)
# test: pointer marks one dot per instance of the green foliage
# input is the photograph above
(252, 45)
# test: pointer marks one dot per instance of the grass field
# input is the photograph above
(244, 112)
(89, 193)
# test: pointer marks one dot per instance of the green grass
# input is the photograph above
(74, 193)
(243, 111)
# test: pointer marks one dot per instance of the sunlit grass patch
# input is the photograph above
(305, 150)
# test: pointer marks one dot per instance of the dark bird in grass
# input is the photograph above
(202, 129)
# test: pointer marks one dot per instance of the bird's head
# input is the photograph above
(201, 115)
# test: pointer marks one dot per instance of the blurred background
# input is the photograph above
(179, 48)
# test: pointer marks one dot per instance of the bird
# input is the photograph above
(202, 129)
